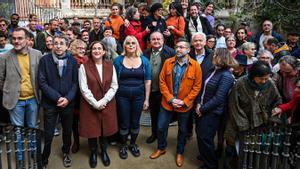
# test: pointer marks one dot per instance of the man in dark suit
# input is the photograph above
(204, 58)
(157, 56)
(58, 80)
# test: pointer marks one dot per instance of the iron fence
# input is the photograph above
(19, 148)
(271, 147)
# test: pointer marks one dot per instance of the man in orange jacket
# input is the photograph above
(180, 83)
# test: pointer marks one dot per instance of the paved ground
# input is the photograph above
(167, 161)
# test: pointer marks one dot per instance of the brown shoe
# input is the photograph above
(179, 160)
(157, 154)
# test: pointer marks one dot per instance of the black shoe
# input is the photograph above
(105, 158)
(123, 152)
(151, 139)
(93, 160)
(134, 150)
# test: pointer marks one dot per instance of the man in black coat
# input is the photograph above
(157, 55)
(204, 57)
(196, 23)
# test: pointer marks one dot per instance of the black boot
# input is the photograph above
(93, 159)
(93, 148)
(133, 147)
(104, 156)
(123, 149)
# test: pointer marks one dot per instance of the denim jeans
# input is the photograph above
(25, 113)
(50, 118)
(130, 102)
(164, 118)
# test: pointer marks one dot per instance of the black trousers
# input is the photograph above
(154, 105)
(206, 128)
(50, 117)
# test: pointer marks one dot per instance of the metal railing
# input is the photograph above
(271, 147)
(19, 146)
(90, 4)
(44, 9)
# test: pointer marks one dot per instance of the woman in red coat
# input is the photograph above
(133, 26)
(98, 85)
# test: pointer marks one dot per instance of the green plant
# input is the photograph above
(284, 14)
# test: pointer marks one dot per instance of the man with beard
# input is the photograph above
(18, 78)
(97, 33)
(196, 23)
(14, 22)
(41, 37)
(180, 83)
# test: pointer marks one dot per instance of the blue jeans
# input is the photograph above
(164, 118)
(25, 113)
(130, 102)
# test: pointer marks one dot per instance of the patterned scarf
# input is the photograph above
(61, 63)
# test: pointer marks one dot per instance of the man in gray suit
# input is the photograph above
(18, 82)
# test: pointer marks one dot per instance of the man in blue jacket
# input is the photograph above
(267, 32)
(58, 80)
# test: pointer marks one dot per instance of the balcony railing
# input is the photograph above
(90, 4)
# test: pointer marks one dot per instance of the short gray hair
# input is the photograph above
(291, 60)
(264, 52)
(199, 33)
(248, 45)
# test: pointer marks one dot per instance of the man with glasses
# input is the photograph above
(268, 31)
(157, 54)
(3, 26)
(180, 83)
(58, 80)
(18, 78)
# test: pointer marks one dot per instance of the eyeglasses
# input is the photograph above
(130, 43)
(211, 41)
(180, 47)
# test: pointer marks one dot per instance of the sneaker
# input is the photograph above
(56, 132)
(134, 150)
(113, 143)
(67, 160)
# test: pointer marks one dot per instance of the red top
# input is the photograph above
(290, 106)
(135, 29)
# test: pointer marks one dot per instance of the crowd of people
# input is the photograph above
(98, 76)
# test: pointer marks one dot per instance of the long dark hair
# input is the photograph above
(177, 6)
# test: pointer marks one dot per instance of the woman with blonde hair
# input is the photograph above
(78, 50)
(134, 78)
(249, 49)
(211, 104)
